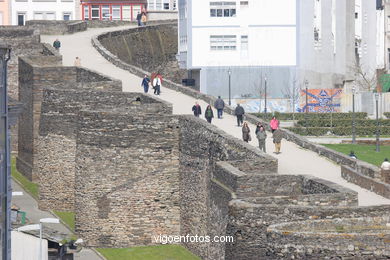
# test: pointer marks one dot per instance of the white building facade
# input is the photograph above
(287, 41)
(162, 5)
(23, 10)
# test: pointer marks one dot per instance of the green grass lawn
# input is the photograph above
(29, 186)
(67, 217)
(163, 252)
(363, 152)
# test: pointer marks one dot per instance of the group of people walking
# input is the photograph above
(155, 82)
(260, 131)
(261, 134)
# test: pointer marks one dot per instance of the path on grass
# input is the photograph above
(292, 160)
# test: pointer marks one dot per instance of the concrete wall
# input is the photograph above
(57, 27)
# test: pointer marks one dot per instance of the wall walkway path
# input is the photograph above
(292, 160)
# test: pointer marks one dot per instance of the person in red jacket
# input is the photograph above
(274, 124)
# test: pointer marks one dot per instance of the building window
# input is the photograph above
(244, 42)
(244, 3)
(166, 6)
(222, 9)
(95, 10)
(158, 4)
(86, 12)
(223, 42)
(106, 12)
(67, 16)
(116, 12)
(44, 16)
(174, 5)
(126, 12)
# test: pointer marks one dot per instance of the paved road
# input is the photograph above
(292, 160)
(29, 205)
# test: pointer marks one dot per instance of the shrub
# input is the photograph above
(341, 131)
(343, 123)
(387, 114)
(311, 116)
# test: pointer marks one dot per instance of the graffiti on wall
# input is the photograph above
(320, 100)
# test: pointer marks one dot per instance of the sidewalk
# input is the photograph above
(29, 205)
(292, 160)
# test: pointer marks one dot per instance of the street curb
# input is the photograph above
(21, 185)
(98, 254)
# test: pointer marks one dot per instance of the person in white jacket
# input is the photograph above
(157, 85)
(385, 171)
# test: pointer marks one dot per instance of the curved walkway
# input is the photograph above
(292, 160)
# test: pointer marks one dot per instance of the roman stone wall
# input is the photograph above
(127, 176)
(57, 27)
(58, 126)
(22, 42)
(376, 185)
(248, 222)
(152, 48)
(36, 72)
(201, 146)
(338, 238)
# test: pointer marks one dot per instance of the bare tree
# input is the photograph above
(365, 79)
(292, 92)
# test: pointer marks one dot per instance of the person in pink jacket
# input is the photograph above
(274, 124)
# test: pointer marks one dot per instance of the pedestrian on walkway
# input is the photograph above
(385, 171)
(77, 62)
(274, 124)
(143, 19)
(261, 136)
(277, 136)
(208, 113)
(197, 109)
(352, 155)
(258, 125)
(157, 84)
(219, 105)
(57, 44)
(145, 83)
(139, 16)
(239, 112)
(246, 133)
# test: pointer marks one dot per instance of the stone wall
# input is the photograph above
(202, 145)
(22, 42)
(373, 184)
(152, 48)
(127, 177)
(248, 223)
(57, 27)
(35, 73)
(338, 238)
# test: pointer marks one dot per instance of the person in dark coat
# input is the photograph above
(239, 112)
(197, 109)
(277, 136)
(57, 44)
(246, 136)
(145, 83)
(208, 114)
(139, 17)
(219, 105)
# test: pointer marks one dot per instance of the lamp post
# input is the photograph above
(353, 116)
(377, 122)
(265, 96)
(307, 103)
(5, 162)
(230, 88)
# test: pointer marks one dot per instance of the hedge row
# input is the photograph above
(343, 123)
(341, 131)
(387, 114)
(311, 116)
